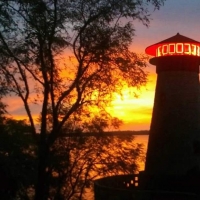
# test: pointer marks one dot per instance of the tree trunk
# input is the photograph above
(42, 185)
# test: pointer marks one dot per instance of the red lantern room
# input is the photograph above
(176, 45)
(182, 51)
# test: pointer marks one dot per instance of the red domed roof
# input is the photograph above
(151, 50)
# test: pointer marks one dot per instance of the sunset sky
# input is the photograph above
(175, 16)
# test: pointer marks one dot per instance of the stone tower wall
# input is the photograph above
(174, 140)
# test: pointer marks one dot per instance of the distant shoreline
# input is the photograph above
(111, 133)
(142, 132)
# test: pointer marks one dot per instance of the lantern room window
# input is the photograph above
(180, 48)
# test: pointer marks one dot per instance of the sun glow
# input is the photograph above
(135, 107)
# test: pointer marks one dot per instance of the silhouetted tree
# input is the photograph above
(36, 38)
(84, 158)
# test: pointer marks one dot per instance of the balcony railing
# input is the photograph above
(127, 187)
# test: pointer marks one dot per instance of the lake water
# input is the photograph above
(143, 139)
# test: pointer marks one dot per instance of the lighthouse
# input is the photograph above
(172, 168)
(174, 138)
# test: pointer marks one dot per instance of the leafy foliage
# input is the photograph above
(75, 161)
(17, 159)
(84, 158)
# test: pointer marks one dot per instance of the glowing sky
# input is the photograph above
(175, 16)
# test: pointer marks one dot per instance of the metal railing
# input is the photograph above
(127, 187)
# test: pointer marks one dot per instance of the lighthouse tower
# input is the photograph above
(174, 139)
(172, 169)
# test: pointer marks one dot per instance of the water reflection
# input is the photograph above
(143, 139)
